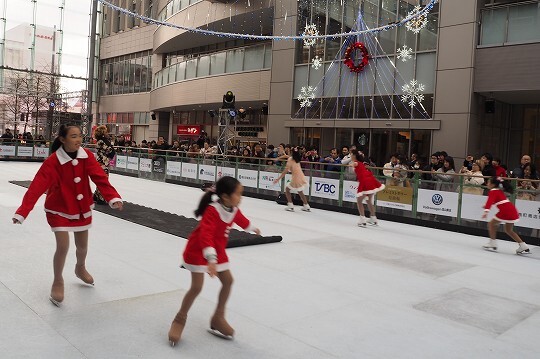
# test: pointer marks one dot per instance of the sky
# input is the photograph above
(76, 29)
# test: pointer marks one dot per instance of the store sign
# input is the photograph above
(42, 152)
(189, 170)
(145, 165)
(207, 173)
(396, 197)
(174, 169)
(25, 151)
(133, 163)
(437, 202)
(188, 130)
(325, 188)
(7, 150)
(529, 213)
(266, 181)
(121, 162)
(248, 178)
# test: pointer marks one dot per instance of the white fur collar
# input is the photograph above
(64, 158)
(225, 216)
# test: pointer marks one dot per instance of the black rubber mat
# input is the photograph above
(171, 223)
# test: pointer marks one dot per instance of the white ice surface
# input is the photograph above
(329, 290)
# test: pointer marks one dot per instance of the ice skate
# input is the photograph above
(491, 245)
(82, 274)
(523, 249)
(290, 207)
(219, 327)
(362, 222)
(373, 221)
(306, 208)
(177, 327)
(57, 293)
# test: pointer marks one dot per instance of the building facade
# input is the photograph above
(475, 59)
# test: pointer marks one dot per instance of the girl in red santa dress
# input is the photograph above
(508, 214)
(367, 186)
(68, 205)
(205, 253)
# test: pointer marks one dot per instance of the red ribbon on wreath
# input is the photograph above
(349, 61)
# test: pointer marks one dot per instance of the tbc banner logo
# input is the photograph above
(437, 199)
(325, 187)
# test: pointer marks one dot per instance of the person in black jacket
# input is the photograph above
(487, 169)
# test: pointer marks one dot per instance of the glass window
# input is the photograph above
(385, 76)
(343, 137)
(217, 63)
(363, 107)
(346, 108)
(330, 81)
(172, 74)
(300, 78)
(131, 75)
(425, 70)
(329, 107)
(382, 107)
(203, 69)
(404, 74)
(235, 61)
(191, 69)
(524, 23)
(427, 38)
(181, 71)
(366, 80)
(268, 56)
(254, 58)
(493, 26)
(315, 76)
(137, 80)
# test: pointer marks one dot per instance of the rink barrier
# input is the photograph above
(23, 150)
(411, 199)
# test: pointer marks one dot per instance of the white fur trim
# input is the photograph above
(371, 191)
(210, 254)
(225, 216)
(250, 228)
(506, 220)
(87, 214)
(114, 200)
(65, 215)
(71, 229)
(221, 267)
(501, 202)
(64, 158)
(19, 218)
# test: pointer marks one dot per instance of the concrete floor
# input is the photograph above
(329, 290)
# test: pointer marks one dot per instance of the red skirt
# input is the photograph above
(508, 213)
(62, 224)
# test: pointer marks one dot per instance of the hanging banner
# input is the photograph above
(325, 188)
(437, 202)
(25, 151)
(121, 162)
(207, 173)
(189, 170)
(396, 197)
(7, 150)
(145, 165)
(529, 213)
(133, 163)
(266, 181)
(248, 178)
(174, 168)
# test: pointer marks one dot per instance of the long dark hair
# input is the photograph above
(62, 132)
(296, 156)
(502, 184)
(358, 155)
(450, 161)
(226, 185)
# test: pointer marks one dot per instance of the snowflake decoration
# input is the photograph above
(413, 93)
(404, 53)
(307, 95)
(418, 23)
(317, 63)
(310, 30)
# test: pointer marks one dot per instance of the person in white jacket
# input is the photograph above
(473, 180)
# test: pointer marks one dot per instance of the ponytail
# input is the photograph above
(204, 203)
(296, 156)
(358, 155)
(226, 185)
(502, 184)
(62, 132)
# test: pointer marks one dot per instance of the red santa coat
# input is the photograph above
(210, 238)
(367, 183)
(507, 211)
(69, 201)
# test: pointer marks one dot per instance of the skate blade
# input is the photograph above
(55, 302)
(373, 224)
(362, 226)
(306, 210)
(523, 253)
(172, 344)
(219, 334)
(490, 249)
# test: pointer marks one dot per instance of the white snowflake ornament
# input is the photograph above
(317, 63)
(310, 30)
(413, 93)
(404, 53)
(418, 23)
(307, 95)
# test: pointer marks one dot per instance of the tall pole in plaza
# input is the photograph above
(91, 68)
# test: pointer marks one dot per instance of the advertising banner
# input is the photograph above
(325, 188)
(188, 130)
(189, 170)
(472, 207)
(226, 171)
(25, 151)
(7, 151)
(350, 189)
(437, 202)
(133, 163)
(42, 152)
(266, 181)
(174, 169)
(158, 167)
(529, 213)
(207, 173)
(121, 162)
(145, 165)
(396, 197)
(248, 178)
(288, 178)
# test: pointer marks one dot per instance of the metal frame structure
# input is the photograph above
(227, 130)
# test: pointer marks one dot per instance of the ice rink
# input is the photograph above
(329, 290)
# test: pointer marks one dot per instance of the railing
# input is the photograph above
(24, 149)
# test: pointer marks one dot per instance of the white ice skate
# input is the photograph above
(362, 222)
(523, 249)
(306, 208)
(290, 207)
(55, 302)
(491, 245)
(373, 221)
(219, 334)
